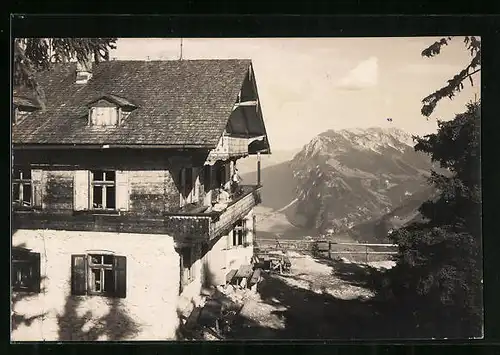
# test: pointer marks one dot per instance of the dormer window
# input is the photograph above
(103, 116)
(21, 108)
(109, 110)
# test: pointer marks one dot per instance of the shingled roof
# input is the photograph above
(180, 103)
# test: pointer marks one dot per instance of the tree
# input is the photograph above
(32, 55)
(438, 266)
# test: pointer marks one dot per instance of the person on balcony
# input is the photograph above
(223, 199)
(235, 183)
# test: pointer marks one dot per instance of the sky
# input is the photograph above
(309, 85)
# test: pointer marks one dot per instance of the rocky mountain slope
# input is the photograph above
(358, 181)
(345, 178)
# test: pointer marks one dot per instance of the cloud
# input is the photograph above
(362, 76)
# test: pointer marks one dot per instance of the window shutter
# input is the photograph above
(120, 276)
(188, 181)
(196, 185)
(78, 274)
(227, 170)
(81, 190)
(122, 193)
(182, 179)
(207, 178)
(36, 277)
(36, 178)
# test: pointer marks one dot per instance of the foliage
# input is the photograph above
(438, 268)
(455, 84)
(32, 55)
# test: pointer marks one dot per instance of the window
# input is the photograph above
(104, 116)
(101, 275)
(25, 270)
(239, 233)
(98, 274)
(103, 190)
(109, 110)
(22, 107)
(21, 189)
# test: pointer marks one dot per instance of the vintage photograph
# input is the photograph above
(246, 188)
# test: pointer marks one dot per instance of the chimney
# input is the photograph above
(84, 70)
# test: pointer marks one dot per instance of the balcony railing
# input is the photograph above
(224, 222)
(230, 147)
(199, 225)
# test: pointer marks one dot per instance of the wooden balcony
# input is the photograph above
(229, 147)
(185, 226)
(225, 220)
(199, 225)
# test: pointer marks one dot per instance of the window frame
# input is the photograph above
(23, 257)
(107, 110)
(81, 275)
(239, 234)
(102, 267)
(22, 182)
(104, 185)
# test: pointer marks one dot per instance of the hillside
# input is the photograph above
(348, 177)
(376, 229)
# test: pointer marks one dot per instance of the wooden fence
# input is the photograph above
(326, 248)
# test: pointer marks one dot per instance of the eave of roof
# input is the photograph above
(110, 146)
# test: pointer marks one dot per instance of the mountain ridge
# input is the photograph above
(350, 177)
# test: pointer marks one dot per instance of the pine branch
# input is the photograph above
(33, 55)
(456, 83)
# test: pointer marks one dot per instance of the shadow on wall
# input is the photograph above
(208, 277)
(19, 318)
(115, 325)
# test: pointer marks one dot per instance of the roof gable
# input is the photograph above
(110, 100)
(179, 103)
(24, 103)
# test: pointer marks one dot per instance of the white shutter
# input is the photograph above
(122, 193)
(36, 179)
(228, 171)
(196, 185)
(81, 187)
(182, 200)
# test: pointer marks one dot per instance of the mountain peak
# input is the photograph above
(381, 130)
(348, 176)
(376, 139)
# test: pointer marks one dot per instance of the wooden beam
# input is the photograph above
(245, 103)
(258, 169)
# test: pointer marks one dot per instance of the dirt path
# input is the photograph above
(316, 300)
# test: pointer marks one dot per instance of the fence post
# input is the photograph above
(329, 249)
(366, 253)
